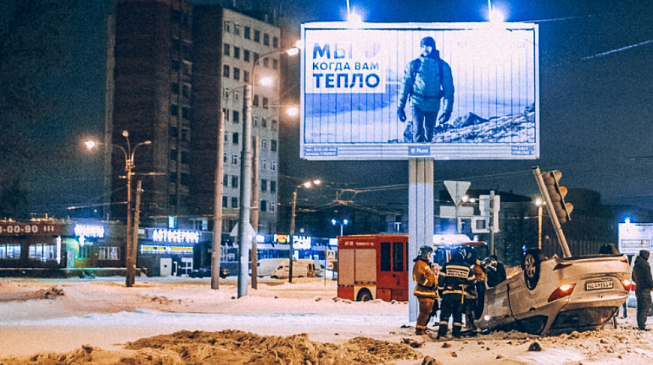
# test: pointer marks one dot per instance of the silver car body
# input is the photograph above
(599, 287)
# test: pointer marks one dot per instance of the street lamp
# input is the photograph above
(342, 224)
(130, 242)
(306, 185)
(246, 174)
(539, 204)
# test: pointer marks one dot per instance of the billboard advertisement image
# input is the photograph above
(447, 91)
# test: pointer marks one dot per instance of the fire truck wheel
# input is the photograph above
(364, 296)
(531, 267)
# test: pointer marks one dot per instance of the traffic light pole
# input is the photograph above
(550, 208)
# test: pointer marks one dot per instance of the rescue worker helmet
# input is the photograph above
(424, 251)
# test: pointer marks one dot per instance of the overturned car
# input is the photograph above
(558, 295)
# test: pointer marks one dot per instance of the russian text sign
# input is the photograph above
(352, 81)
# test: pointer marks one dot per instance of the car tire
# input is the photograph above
(531, 267)
(364, 296)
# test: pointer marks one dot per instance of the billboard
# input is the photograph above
(354, 79)
(634, 237)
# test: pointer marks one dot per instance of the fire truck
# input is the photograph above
(377, 266)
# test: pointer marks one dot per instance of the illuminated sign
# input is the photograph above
(281, 238)
(82, 230)
(176, 236)
(352, 82)
(163, 250)
(634, 237)
(27, 229)
(301, 242)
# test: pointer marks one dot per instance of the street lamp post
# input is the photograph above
(246, 175)
(130, 240)
(342, 224)
(307, 185)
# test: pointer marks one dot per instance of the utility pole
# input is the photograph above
(255, 208)
(216, 252)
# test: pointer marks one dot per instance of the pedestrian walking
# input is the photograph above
(644, 283)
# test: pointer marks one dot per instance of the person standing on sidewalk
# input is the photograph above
(644, 283)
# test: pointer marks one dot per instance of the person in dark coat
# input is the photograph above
(453, 280)
(644, 283)
(496, 271)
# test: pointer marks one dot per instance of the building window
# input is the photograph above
(226, 137)
(234, 138)
(256, 57)
(187, 68)
(236, 73)
(272, 207)
(174, 132)
(257, 36)
(246, 76)
(174, 88)
(173, 178)
(185, 91)
(247, 33)
(43, 252)
(174, 110)
(185, 157)
(265, 102)
(234, 202)
(173, 155)
(263, 205)
(225, 201)
(236, 52)
(225, 70)
(225, 158)
(266, 62)
(234, 181)
(234, 159)
(255, 122)
(266, 39)
(264, 185)
(273, 145)
(185, 112)
(227, 26)
(274, 125)
(246, 55)
(264, 144)
(236, 29)
(109, 253)
(10, 251)
(255, 100)
(225, 180)
(275, 42)
(185, 179)
(273, 165)
(236, 116)
(226, 50)
(275, 64)
(273, 186)
(264, 165)
(264, 123)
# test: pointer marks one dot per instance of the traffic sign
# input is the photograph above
(457, 189)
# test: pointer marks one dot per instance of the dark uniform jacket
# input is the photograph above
(455, 277)
(425, 279)
(642, 275)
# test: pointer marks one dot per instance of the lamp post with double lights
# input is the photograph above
(342, 224)
(130, 241)
(306, 185)
(246, 175)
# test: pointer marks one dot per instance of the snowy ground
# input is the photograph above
(45, 317)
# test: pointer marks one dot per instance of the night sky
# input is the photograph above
(595, 97)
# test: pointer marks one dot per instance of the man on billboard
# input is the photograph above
(429, 85)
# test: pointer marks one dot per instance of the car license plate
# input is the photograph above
(599, 285)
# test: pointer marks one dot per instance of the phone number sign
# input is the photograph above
(21, 229)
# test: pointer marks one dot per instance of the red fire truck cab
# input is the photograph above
(377, 266)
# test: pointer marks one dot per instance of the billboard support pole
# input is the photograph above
(420, 218)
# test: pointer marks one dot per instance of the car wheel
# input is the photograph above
(531, 267)
(364, 296)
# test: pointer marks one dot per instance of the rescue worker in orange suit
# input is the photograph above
(475, 294)
(425, 288)
(454, 277)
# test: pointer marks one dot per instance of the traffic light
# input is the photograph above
(557, 194)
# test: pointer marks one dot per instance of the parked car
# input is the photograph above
(558, 295)
(205, 272)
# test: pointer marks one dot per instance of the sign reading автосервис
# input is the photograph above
(485, 75)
